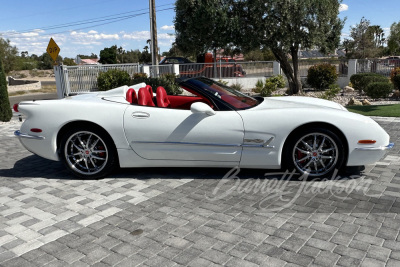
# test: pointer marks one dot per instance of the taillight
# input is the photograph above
(15, 107)
(367, 142)
(36, 130)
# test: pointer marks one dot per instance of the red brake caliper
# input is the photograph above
(300, 156)
(101, 154)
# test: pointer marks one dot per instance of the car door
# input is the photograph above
(175, 134)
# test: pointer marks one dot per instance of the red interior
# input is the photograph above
(144, 98)
(162, 98)
(183, 102)
(131, 96)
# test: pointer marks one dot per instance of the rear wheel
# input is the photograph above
(88, 152)
(315, 152)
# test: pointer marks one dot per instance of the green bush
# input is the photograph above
(112, 79)
(139, 75)
(321, 76)
(270, 85)
(167, 81)
(379, 89)
(365, 81)
(278, 80)
(355, 80)
(237, 86)
(5, 109)
(333, 90)
(395, 77)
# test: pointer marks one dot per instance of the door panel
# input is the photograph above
(162, 133)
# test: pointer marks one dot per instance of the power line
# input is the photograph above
(111, 18)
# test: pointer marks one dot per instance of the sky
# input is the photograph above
(87, 26)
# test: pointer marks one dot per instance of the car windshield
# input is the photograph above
(229, 95)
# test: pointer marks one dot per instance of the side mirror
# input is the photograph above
(200, 107)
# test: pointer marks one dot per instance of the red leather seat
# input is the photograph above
(162, 98)
(150, 90)
(131, 96)
(144, 98)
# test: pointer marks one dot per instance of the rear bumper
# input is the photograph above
(28, 136)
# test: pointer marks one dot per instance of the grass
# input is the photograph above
(378, 110)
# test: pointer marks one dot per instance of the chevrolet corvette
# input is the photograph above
(211, 125)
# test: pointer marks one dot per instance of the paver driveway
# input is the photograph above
(195, 217)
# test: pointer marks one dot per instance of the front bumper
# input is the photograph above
(367, 155)
(389, 146)
(28, 136)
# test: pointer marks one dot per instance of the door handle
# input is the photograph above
(140, 115)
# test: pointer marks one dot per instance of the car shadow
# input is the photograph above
(34, 166)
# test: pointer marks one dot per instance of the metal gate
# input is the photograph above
(83, 79)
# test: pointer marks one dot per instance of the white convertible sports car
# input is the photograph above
(214, 127)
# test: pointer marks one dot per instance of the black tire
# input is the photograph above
(88, 152)
(315, 152)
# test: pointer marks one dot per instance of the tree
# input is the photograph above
(108, 55)
(285, 26)
(378, 35)
(69, 61)
(202, 25)
(92, 56)
(8, 55)
(394, 39)
(46, 62)
(367, 41)
(132, 56)
(145, 56)
(5, 110)
(174, 51)
(254, 55)
(347, 46)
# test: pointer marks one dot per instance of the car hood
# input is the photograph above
(285, 102)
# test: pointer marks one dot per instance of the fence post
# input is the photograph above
(146, 69)
(59, 84)
(352, 68)
(176, 69)
(276, 68)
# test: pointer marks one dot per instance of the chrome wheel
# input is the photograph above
(86, 153)
(315, 154)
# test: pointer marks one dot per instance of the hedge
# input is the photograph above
(356, 80)
(379, 89)
(321, 76)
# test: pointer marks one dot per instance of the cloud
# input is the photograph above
(145, 35)
(168, 28)
(91, 37)
(343, 7)
(138, 35)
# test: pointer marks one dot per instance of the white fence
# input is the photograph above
(81, 79)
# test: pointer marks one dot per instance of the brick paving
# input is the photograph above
(192, 217)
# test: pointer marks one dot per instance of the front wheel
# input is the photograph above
(315, 152)
(88, 152)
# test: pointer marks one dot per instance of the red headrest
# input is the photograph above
(131, 96)
(162, 98)
(148, 87)
(144, 98)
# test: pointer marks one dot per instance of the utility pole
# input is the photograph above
(153, 33)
